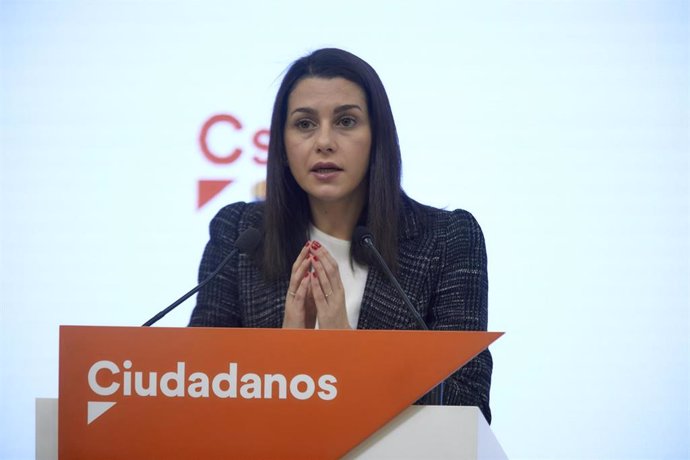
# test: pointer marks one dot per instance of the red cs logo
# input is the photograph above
(209, 188)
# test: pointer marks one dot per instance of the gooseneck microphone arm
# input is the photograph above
(365, 238)
(245, 243)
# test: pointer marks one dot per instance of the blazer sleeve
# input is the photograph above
(461, 303)
(217, 302)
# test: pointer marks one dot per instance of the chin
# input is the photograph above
(330, 197)
(327, 198)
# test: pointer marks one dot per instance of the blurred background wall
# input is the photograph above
(561, 125)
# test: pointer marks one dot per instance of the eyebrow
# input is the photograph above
(339, 109)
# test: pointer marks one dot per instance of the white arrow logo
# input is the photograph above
(96, 409)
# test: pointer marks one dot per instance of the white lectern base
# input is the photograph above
(46, 429)
(433, 432)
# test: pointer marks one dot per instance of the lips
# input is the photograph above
(325, 168)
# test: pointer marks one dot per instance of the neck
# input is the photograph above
(336, 219)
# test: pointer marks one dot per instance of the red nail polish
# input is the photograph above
(315, 245)
(316, 259)
(306, 275)
(313, 274)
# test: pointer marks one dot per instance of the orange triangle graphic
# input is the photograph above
(208, 189)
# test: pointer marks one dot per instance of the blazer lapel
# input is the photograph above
(382, 306)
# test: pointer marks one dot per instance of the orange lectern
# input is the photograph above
(180, 393)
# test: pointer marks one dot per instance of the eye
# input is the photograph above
(347, 122)
(304, 124)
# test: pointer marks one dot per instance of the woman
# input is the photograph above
(333, 164)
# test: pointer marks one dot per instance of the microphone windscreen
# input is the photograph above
(360, 234)
(248, 240)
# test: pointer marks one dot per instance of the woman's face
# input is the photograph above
(328, 140)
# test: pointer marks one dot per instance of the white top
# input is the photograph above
(354, 277)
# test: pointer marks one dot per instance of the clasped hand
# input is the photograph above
(315, 291)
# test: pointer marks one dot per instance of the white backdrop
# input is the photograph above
(562, 126)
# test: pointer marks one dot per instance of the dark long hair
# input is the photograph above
(287, 212)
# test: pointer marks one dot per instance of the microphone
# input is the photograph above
(245, 243)
(364, 237)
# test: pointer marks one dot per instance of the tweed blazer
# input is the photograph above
(442, 268)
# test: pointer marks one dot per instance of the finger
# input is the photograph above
(330, 310)
(296, 298)
(302, 291)
(299, 270)
(327, 269)
(299, 281)
(325, 257)
(296, 307)
(317, 289)
(322, 277)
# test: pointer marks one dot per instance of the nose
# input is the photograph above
(325, 142)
